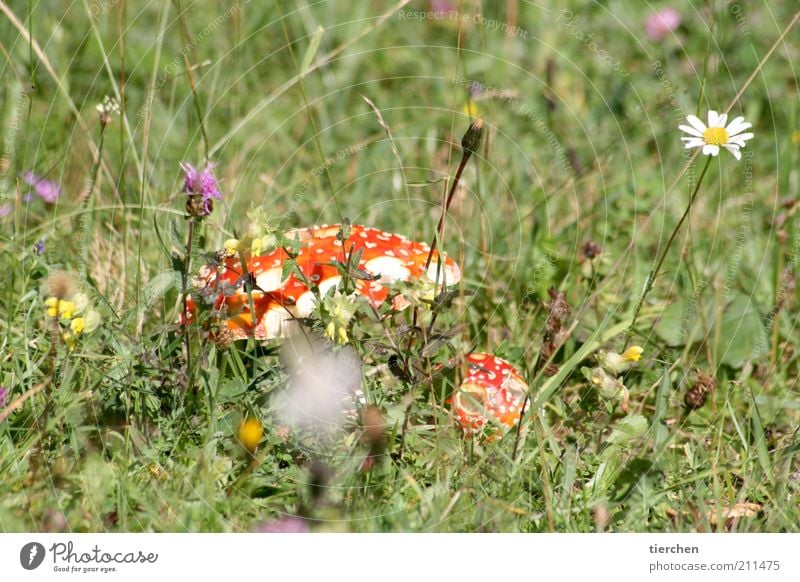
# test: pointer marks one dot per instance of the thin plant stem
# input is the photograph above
(651, 277)
(473, 133)
(187, 265)
(469, 143)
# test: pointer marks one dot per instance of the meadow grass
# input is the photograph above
(580, 144)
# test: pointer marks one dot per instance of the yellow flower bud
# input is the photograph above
(250, 434)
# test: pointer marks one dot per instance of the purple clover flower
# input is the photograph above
(44, 189)
(661, 24)
(202, 188)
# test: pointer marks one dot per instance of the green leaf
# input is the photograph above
(742, 336)
(660, 430)
(628, 430)
(607, 471)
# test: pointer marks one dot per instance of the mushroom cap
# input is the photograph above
(492, 388)
(277, 301)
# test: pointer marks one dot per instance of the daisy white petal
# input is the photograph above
(734, 149)
(722, 119)
(710, 149)
(693, 142)
(712, 119)
(738, 125)
(690, 130)
(696, 123)
(735, 121)
(740, 139)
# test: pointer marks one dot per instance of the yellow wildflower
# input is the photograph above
(330, 331)
(52, 306)
(338, 310)
(615, 363)
(77, 325)
(250, 434)
(633, 354)
(66, 309)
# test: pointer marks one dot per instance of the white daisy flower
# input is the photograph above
(716, 134)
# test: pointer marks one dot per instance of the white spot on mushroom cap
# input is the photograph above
(391, 269)
(270, 280)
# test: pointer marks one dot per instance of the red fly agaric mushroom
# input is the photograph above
(492, 391)
(278, 301)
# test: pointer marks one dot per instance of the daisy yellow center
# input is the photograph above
(716, 136)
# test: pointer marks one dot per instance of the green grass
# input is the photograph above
(574, 150)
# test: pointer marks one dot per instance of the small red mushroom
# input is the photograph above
(492, 391)
(278, 301)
